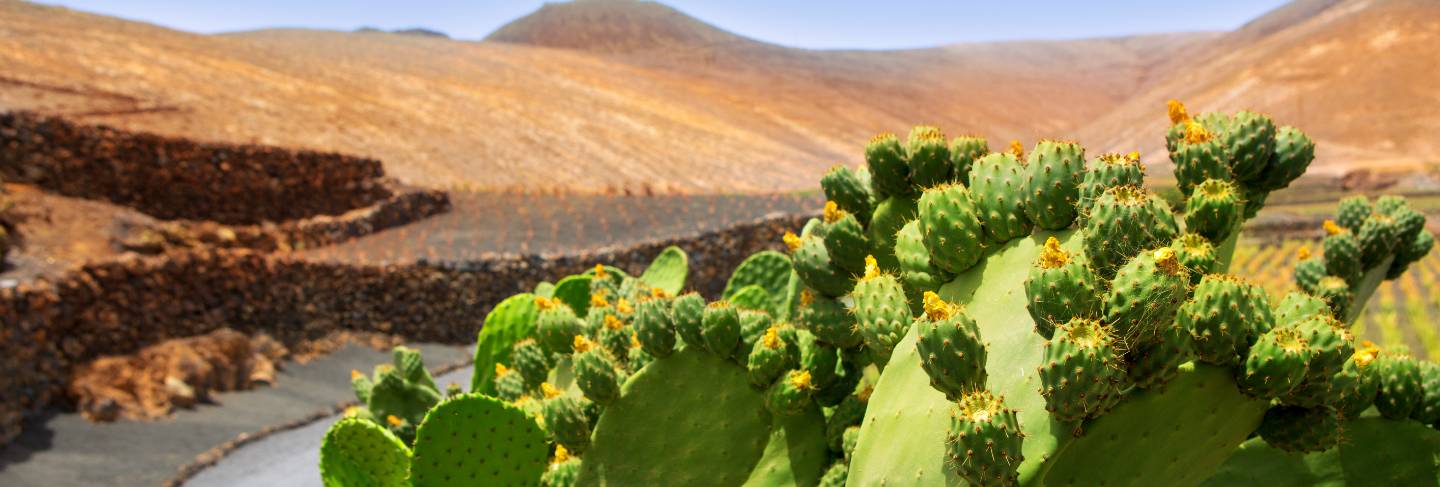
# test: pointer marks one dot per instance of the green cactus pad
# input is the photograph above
(693, 419)
(1219, 317)
(889, 172)
(566, 420)
(753, 298)
(575, 292)
(1104, 172)
(1124, 221)
(1197, 255)
(890, 215)
(1293, 152)
(720, 327)
(950, 225)
(842, 186)
(964, 151)
(531, 362)
(1308, 273)
(358, 452)
(1375, 451)
(1401, 385)
(813, 265)
(544, 289)
(997, 182)
(1213, 417)
(562, 474)
(1199, 157)
(1061, 286)
(654, 327)
(795, 454)
(1251, 142)
(1342, 255)
(929, 157)
(478, 440)
(880, 311)
(829, 320)
(596, 376)
(1146, 294)
(768, 269)
(1214, 209)
(1052, 183)
(950, 347)
(510, 321)
(687, 310)
(668, 271)
(1081, 375)
(1352, 211)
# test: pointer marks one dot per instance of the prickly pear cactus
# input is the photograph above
(964, 317)
(1078, 339)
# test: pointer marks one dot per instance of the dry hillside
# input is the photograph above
(634, 96)
(1358, 76)
(709, 112)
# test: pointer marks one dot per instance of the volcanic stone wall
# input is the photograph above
(405, 206)
(48, 328)
(173, 178)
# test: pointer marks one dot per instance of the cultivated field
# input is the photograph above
(1402, 312)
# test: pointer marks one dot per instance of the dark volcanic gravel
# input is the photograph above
(486, 223)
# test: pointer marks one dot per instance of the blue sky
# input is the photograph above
(874, 24)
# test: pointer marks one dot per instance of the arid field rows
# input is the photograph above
(636, 97)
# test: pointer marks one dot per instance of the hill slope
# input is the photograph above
(715, 113)
(1356, 75)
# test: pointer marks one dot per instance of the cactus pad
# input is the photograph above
(510, 321)
(1211, 415)
(668, 271)
(478, 440)
(358, 452)
(690, 419)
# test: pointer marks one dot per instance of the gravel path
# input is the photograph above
(65, 450)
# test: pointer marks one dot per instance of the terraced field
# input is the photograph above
(483, 224)
(1402, 312)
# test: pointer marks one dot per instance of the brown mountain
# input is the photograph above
(636, 96)
(1358, 76)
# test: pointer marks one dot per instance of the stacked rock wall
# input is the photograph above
(175, 178)
(48, 329)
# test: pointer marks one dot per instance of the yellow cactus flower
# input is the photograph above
(1331, 228)
(582, 344)
(937, 309)
(1017, 149)
(549, 391)
(1177, 111)
(613, 323)
(772, 338)
(800, 379)
(832, 212)
(792, 241)
(872, 269)
(1052, 256)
